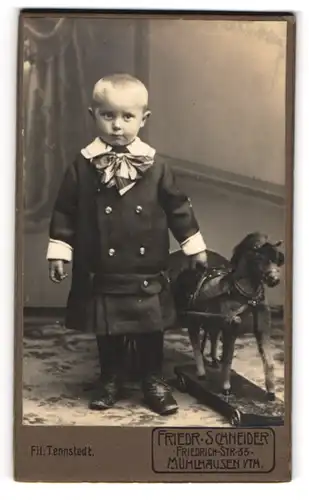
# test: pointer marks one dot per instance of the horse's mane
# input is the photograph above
(251, 241)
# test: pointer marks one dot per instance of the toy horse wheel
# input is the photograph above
(235, 418)
(181, 383)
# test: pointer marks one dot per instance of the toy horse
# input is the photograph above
(228, 298)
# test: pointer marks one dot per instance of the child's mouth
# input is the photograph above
(117, 136)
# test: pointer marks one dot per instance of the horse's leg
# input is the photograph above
(212, 332)
(265, 349)
(204, 339)
(214, 339)
(229, 339)
(194, 334)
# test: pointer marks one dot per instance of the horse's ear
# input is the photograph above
(278, 243)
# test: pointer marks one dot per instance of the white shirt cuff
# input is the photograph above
(193, 245)
(59, 250)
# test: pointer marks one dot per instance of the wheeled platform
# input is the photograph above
(247, 406)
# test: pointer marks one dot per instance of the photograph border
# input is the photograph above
(28, 468)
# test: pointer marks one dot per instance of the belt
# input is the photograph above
(128, 284)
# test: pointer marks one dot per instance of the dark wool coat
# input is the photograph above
(120, 248)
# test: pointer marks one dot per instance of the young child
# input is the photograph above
(111, 219)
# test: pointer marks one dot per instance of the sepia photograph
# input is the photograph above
(154, 234)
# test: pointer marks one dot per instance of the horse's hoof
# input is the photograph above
(271, 396)
(201, 377)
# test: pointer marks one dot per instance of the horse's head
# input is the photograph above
(261, 258)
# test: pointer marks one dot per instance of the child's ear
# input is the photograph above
(145, 117)
(91, 112)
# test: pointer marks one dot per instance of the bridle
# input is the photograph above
(253, 299)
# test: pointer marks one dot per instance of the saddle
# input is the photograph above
(194, 289)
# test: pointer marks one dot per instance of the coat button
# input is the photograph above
(108, 210)
(111, 252)
(142, 251)
(145, 283)
(138, 209)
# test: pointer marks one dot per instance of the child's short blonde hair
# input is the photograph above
(118, 80)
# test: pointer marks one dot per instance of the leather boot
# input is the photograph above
(158, 395)
(107, 394)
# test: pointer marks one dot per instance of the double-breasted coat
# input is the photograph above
(120, 248)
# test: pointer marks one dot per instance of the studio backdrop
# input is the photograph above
(218, 115)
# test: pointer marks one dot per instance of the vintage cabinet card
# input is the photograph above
(154, 247)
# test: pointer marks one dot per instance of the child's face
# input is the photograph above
(120, 115)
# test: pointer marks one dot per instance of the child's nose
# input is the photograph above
(116, 125)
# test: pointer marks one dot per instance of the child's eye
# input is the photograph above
(106, 115)
(128, 116)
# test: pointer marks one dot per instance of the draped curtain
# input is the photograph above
(62, 60)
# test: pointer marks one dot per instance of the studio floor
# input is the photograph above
(60, 369)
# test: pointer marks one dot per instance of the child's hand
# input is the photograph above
(56, 271)
(198, 260)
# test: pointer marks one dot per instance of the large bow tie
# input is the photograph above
(121, 169)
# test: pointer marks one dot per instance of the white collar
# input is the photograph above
(99, 147)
